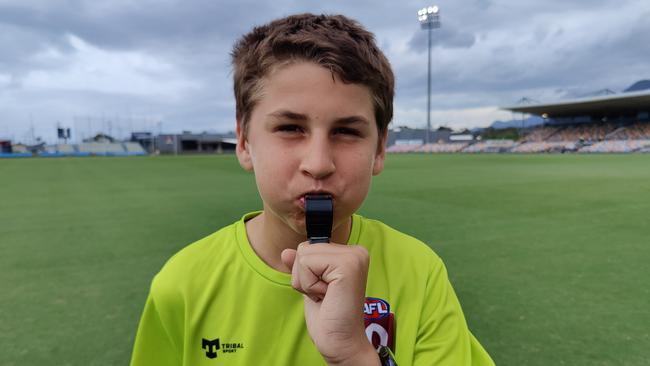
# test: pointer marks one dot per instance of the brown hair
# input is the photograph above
(335, 42)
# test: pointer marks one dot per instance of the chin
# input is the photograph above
(297, 223)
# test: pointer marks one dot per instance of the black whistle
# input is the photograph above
(319, 211)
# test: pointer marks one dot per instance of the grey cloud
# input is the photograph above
(139, 24)
(472, 66)
(448, 36)
(509, 72)
(20, 44)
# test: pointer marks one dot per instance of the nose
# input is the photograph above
(318, 158)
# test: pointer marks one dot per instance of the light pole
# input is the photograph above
(429, 18)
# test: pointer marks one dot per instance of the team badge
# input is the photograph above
(380, 323)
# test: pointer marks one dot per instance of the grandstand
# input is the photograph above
(99, 145)
(404, 148)
(133, 148)
(196, 143)
(614, 123)
(443, 147)
(491, 146)
(619, 146)
(65, 149)
(141, 144)
(544, 147)
(94, 149)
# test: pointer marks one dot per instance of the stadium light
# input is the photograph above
(429, 19)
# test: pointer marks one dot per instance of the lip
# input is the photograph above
(301, 198)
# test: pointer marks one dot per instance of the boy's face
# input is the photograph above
(311, 133)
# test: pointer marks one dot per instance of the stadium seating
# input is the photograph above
(94, 149)
(490, 146)
(102, 149)
(59, 150)
(443, 147)
(616, 146)
(583, 132)
(453, 147)
(133, 148)
(584, 137)
(403, 148)
(588, 138)
(541, 147)
(541, 134)
(637, 131)
(65, 149)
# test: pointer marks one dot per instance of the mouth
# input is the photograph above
(301, 198)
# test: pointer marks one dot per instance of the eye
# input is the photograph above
(347, 131)
(289, 128)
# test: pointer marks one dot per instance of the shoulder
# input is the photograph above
(386, 241)
(190, 266)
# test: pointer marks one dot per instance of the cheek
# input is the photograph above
(359, 173)
(272, 171)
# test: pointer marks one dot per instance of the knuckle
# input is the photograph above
(310, 287)
(362, 251)
(302, 261)
(362, 255)
(304, 250)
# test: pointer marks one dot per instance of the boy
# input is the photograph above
(313, 101)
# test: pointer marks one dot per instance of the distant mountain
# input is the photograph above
(598, 93)
(528, 122)
(639, 85)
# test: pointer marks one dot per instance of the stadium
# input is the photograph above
(614, 123)
(611, 123)
(541, 221)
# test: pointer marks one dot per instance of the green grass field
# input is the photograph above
(549, 254)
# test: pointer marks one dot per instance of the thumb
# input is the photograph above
(288, 256)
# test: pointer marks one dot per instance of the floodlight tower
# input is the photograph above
(429, 18)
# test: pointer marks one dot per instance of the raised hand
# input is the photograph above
(332, 278)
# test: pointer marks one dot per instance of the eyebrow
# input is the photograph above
(352, 120)
(286, 114)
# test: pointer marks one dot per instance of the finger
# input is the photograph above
(288, 256)
(311, 303)
(309, 282)
(334, 262)
(311, 285)
(295, 281)
(305, 279)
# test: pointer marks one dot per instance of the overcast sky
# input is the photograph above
(117, 66)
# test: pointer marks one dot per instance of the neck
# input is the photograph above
(269, 236)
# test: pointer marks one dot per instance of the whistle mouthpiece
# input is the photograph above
(319, 212)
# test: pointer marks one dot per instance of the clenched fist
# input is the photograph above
(332, 278)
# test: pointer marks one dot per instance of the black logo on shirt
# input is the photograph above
(212, 346)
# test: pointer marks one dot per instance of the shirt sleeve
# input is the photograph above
(153, 343)
(443, 336)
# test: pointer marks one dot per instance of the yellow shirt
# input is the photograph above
(217, 303)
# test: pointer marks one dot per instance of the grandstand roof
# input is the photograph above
(624, 103)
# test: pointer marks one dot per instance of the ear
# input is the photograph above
(243, 149)
(380, 155)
